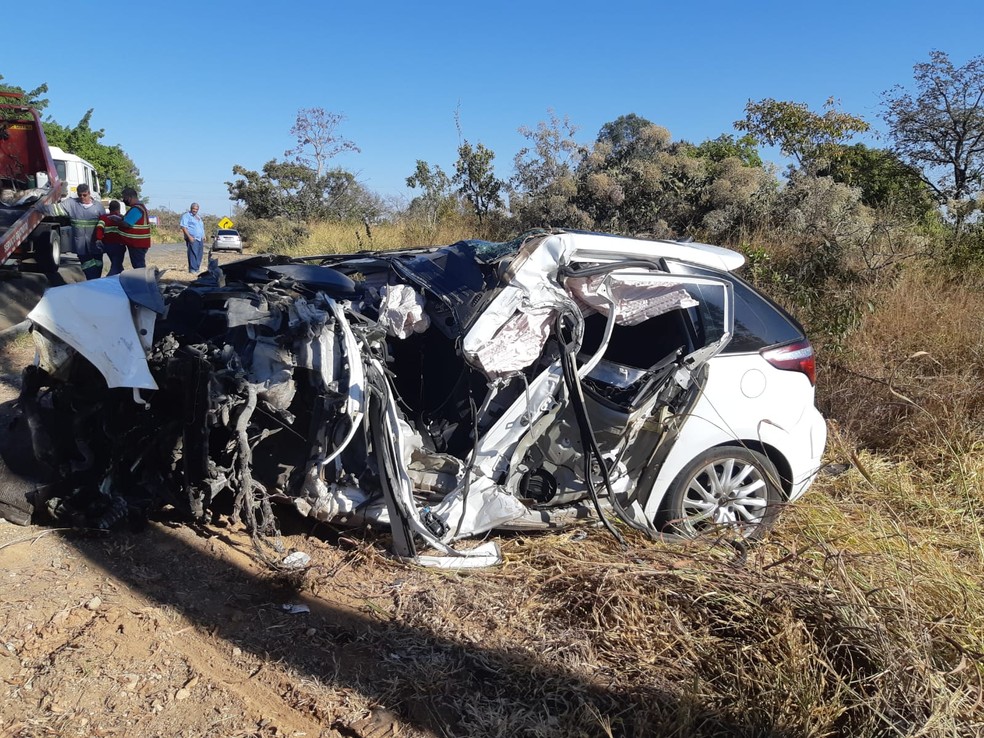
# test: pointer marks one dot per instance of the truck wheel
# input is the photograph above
(47, 250)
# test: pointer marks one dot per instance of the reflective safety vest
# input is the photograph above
(108, 229)
(84, 221)
(137, 236)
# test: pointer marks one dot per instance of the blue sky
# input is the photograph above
(199, 87)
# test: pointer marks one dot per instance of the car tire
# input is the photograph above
(726, 489)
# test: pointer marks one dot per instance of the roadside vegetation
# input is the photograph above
(862, 613)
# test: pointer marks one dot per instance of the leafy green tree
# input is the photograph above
(82, 140)
(296, 192)
(939, 129)
(258, 192)
(29, 97)
(726, 146)
(436, 199)
(637, 180)
(476, 180)
(344, 198)
(810, 138)
(622, 134)
(553, 156)
(543, 188)
(885, 181)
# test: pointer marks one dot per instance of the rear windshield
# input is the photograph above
(759, 322)
(226, 232)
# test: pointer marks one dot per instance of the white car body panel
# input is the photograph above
(95, 318)
(781, 416)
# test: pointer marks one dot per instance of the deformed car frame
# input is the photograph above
(442, 392)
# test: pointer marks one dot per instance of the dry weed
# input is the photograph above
(911, 378)
(837, 628)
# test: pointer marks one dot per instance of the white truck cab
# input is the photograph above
(73, 171)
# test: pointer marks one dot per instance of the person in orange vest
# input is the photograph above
(108, 234)
(135, 229)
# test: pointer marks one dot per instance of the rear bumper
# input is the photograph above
(810, 440)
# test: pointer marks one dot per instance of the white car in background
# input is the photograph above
(227, 239)
(442, 392)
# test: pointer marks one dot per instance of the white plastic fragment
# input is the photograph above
(486, 554)
(296, 560)
(295, 609)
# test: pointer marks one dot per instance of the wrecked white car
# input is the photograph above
(439, 393)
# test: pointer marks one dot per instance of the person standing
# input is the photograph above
(83, 211)
(135, 228)
(194, 235)
(108, 234)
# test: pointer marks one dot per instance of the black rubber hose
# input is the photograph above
(588, 443)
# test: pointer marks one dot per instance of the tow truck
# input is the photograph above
(29, 181)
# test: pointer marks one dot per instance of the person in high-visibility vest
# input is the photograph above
(108, 234)
(83, 211)
(135, 229)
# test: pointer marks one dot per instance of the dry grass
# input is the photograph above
(344, 238)
(850, 622)
(911, 377)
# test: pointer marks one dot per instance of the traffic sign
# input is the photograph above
(225, 223)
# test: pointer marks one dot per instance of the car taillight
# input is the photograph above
(795, 357)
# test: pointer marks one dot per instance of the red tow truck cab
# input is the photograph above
(28, 182)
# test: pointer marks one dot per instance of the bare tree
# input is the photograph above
(939, 129)
(317, 140)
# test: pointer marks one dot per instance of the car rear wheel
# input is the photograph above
(724, 489)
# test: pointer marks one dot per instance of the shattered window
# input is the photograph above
(759, 322)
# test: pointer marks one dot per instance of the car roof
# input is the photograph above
(608, 247)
